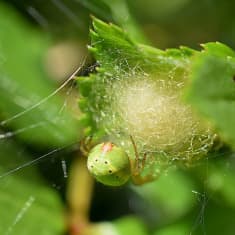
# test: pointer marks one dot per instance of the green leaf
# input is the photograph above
(118, 55)
(24, 83)
(171, 195)
(220, 177)
(212, 89)
(113, 46)
(124, 225)
(127, 94)
(124, 18)
(27, 204)
(118, 12)
(130, 225)
(174, 229)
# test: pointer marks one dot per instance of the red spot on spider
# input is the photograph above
(106, 147)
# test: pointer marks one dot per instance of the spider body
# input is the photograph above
(109, 164)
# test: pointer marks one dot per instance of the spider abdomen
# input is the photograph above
(109, 164)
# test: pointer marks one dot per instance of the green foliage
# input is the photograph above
(122, 226)
(170, 195)
(212, 89)
(175, 229)
(197, 201)
(207, 76)
(27, 204)
(117, 54)
(24, 83)
(137, 91)
(130, 224)
(118, 12)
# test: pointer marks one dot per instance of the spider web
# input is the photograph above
(129, 101)
(136, 85)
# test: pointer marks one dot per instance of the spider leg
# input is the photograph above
(136, 163)
(138, 178)
(137, 167)
(86, 145)
(143, 160)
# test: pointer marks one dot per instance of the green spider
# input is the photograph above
(111, 165)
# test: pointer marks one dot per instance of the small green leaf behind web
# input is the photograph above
(136, 90)
(212, 89)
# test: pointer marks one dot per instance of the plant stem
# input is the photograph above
(79, 194)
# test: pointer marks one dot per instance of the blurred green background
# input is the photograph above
(41, 44)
